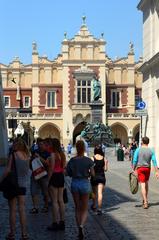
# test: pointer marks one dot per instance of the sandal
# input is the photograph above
(44, 210)
(25, 237)
(10, 236)
(34, 211)
(145, 205)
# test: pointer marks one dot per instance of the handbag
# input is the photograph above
(9, 185)
(38, 169)
(133, 183)
(65, 195)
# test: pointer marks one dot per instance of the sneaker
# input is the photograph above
(99, 212)
(61, 225)
(25, 237)
(34, 211)
(93, 208)
(53, 227)
(10, 236)
(44, 210)
(81, 233)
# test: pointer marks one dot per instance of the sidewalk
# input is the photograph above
(123, 217)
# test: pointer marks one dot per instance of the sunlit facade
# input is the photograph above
(51, 97)
(150, 68)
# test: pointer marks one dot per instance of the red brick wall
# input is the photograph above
(124, 100)
(42, 101)
(23, 93)
(13, 92)
(71, 89)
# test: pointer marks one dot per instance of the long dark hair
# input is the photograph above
(56, 146)
(80, 147)
(98, 150)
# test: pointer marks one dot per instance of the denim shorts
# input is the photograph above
(81, 186)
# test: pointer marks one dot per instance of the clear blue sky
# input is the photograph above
(45, 21)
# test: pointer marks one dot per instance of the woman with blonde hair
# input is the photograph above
(19, 158)
(80, 168)
(56, 185)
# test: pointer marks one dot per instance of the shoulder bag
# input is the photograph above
(133, 183)
(9, 185)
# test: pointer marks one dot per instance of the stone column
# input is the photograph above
(96, 110)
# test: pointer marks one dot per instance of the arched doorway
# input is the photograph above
(136, 132)
(49, 130)
(78, 129)
(119, 133)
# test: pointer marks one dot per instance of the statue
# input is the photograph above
(96, 89)
(96, 129)
(131, 45)
(97, 133)
(85, 130)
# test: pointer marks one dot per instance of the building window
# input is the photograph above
(137, 100)
(6, 101)
(51, 99)
(83, 91)
(115, 98)
(26, 102)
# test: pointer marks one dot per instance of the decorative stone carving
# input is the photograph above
(34, 47)
(65, 35)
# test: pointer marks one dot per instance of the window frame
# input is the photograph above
(111, 103)
(80, 88)
(46, 105)
(7, 96)
(26, 96)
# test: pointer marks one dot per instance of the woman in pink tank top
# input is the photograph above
(56, 185)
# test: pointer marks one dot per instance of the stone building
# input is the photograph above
(3, 129)
(150, 68)
(51, 97)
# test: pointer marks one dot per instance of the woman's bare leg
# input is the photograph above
(94, 188)
(61, 204)
(76, 198)
(54, 198)
(22, 214)
(83, 208)
(12, 214)
(100, 195)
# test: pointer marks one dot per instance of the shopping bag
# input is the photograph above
(38, 169)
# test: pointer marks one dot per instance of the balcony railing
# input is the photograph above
(31, 116)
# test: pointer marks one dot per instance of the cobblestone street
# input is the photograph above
(123, 216)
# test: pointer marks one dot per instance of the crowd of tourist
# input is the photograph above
(45, 167)
(47, 164)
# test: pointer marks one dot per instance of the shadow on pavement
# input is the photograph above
(111, 227)
(113, 198)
